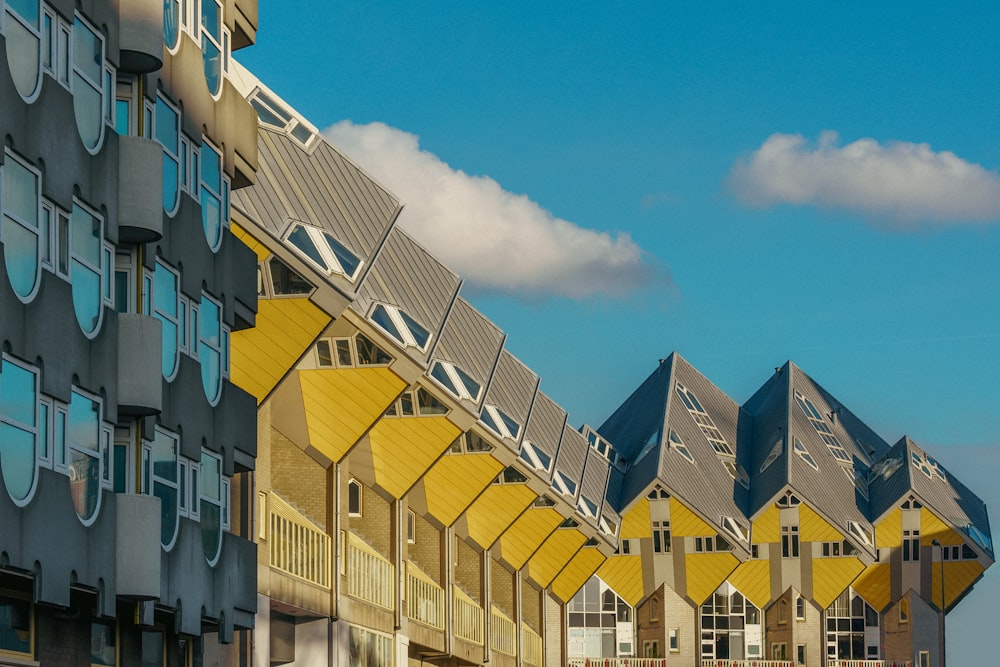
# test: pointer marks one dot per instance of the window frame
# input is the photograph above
(98, 86)
(360, 511)
(7, 214)
(32, 429)
(221, 195)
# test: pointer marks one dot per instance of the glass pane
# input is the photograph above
(17, 460)
(152, 649)
(344, 353)
(87, 108)
(86, 296)
(213, 63)
(168, 511)
(211, 218)
(15, 625)
(85, 483)
(300, 239)
(20, 192)
(165, 298)
(17, 394)
(211, 477)
(370, 354)
(438, 373)
(286, 281)
(102, 644)
(420, 334)
(171, 22)
(380, 316)
(348, 261)
(24, 57)
(211, 19)
(211, 530)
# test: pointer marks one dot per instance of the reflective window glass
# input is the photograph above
(19, 231)
(165, 483)
(210, 343)
(88, 92)
(166, 304)
(171, 22)
(24, 45)
(84, 455)
(167, 131)
(86, 272)
(18, 428)
(211, 44)
(212, 214)
(211, 505)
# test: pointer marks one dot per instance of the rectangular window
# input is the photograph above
(924, 659)
(103, 643)
(411, 527)
(62, 244)
(17, 627)
(673, 640)
(63, 54)
(49, 50)
(661, 537)
(911, 545)
(789, 541)
(800, 654)
(45, 236)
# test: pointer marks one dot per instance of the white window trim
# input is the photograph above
(100, 444)
(213, 401)
(100, 269)
(169, 151)
(37, 32)
(32, 429)
(460, 389)
(222, 194)
(6, 213)
(63, 66)
(407, 339)
(50, 43)
(361, 498)
(96, 85)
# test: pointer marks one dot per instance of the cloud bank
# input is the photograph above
(897, 181)
(496, 240)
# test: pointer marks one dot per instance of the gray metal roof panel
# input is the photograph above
(572, 455)
(471, 342)
(545, 425)
(595, 477)
(890, 480)
(640, 417)
(512, 389)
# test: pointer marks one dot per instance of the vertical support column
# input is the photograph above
(487, 598)
(397, 534)
(448, 582)
(333, 512)
(518, 636)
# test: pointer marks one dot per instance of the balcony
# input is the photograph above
(503, 633)
(868, 663)
(424, 598)
(296, 546)
(370, 576)
(531, 646)
(467, 623)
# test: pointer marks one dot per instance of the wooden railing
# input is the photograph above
(467, 621)
(424, 598)
(747, 663)
(503, 632)
(370, 576)
(297, 546)
(662, 662)
(868, 663)
(531, 646)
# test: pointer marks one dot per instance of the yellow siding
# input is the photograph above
(243, 235)
(624, 575)
(403, 449)
(753, 579)
(706, 572)
(554, 554)
(766, 529)
(575, 574)
(933, 528)
(495, 510)
(874, 585)
(454, 482)
(341, 405)
(831, 576)
(889, 531)
(684, 522)
(958, 576)
(635, 523)
(521, 540)
(262, 356)
(814, 528)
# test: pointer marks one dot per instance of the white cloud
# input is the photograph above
(496, 240)
(898, 181)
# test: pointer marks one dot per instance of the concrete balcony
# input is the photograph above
(140, 376)
(137, 548)
(140, 189)
(370, 576)
(140, 35)
(299, 558)
(503, 633)
(531, 646)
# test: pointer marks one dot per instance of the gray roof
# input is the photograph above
(512, 390)
(572, 456)
(545, 428)
(471, 342)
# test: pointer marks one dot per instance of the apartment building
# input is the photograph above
(125, 450)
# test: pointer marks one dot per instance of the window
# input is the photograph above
(789, 541)
(673, 640)
(350, 352)
(737, 472)
(86, 458)
(284, 281)
(210, 347)
(322, 250)
(211, 44)
(161, 473)
(850, 624)
(400, 326)
(837, 549)
(17, 627)
(772, 456)
(924, 659)
(704, 421)
(511, 475)
(651, 649)
(167, 130)
(88, 83)
(587, 507)
(678, 445)
(822, 428)
(21, 190)
(171, 23)
(411, 527)
(214, 193)
(211, 505)
(782, 611)
(87, 269)
(654, 610)
(419, 403)
(725, 618)
(152, 649)
(904, 611)
(856, 529)
(731, 526)
(803, 453)
(22, 29)
(535, 457)
(564, 484)
(271, 112)
(800, 608)
(661, 537)
(354, 497)
(166, 307)
(800, 654)
(103, 643)
(19, 428)
(456, 381)
(470, 443)
(500, 422)
(911, 546)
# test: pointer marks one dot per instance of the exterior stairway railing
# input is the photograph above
(370, 576)
(424, 598)
(503, 632)
(468, 617)
(296, 545)
(531, 646)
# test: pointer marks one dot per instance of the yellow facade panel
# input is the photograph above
(831, 576)
(958, 576)
(404, 448)
(814, 528)
(684, 522)
(342, 404)
(454, 482)
(706, 572)
(752, 578)
(624, 575)
(520, 541)
(933, 528)
(263, 355)
(554, 554)
(495, 510)
(636, 523)
(577, 571)
(889, 531)
(243, 235)
(766, 527)
(874, 584)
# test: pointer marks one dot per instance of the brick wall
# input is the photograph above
(553, 638)
(374, 525)
(531, 605)
(467, 569)
(425, 551)
(298, 479)
(502, 587)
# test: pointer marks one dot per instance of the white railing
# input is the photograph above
(868, 663)
(503, 632)
(370, 576)
(531, 646)
(297, 546)
(747, 663)
(618, 662)
(467, 623)
(424, 598)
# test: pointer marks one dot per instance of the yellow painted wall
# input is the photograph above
(753, 579)
(933, 528)
(831, 576)
(624, 575)
(404, 448)
(342, 404)
(577, 572)
(958, 576)
(453, 483)
(520, 541)
(814, 528)
(684, 522)
(554, 554)
(766, 527)
(258, 248)
(874, 585)
(706, 572)
(263, 355)
(495, 510)
(636, 521)
(889, 531)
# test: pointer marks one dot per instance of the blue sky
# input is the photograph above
(744, 186)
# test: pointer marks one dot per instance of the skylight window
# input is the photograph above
(587, 506)
(855, 528)
(564, 484)
(272, 113)
(804, 454)
(677, 444)
(324, 251)
(535, 457)
(455, 380)
(737, 472)
(822, 428)
(733, 528)
(704, 421)
(775, 452)
(929, 466)
(400, 326)
(499, 422)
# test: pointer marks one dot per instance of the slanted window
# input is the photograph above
(272, 113)
(735, 529)
(214, 195)
(171, 23)
(535, 457)
(511, 475)
(21, 199)
(86, 458)
(456, 381)
(167, 130)
(22, 29)
(210, 347)
(678, 445)
(822, 428)
(704, 421)
(564, 484)
(661, 537)
(400, 326)
(166, 308)
(88, 83)
(587, 507)
(86, 268)
(325, 252)
(284, 281)
(211, 44)
(500, 422)
(19, 428)
(354, 498)
(855, 528)
(803, 453)
(211, 507)
(737, 472)
(773, 455)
